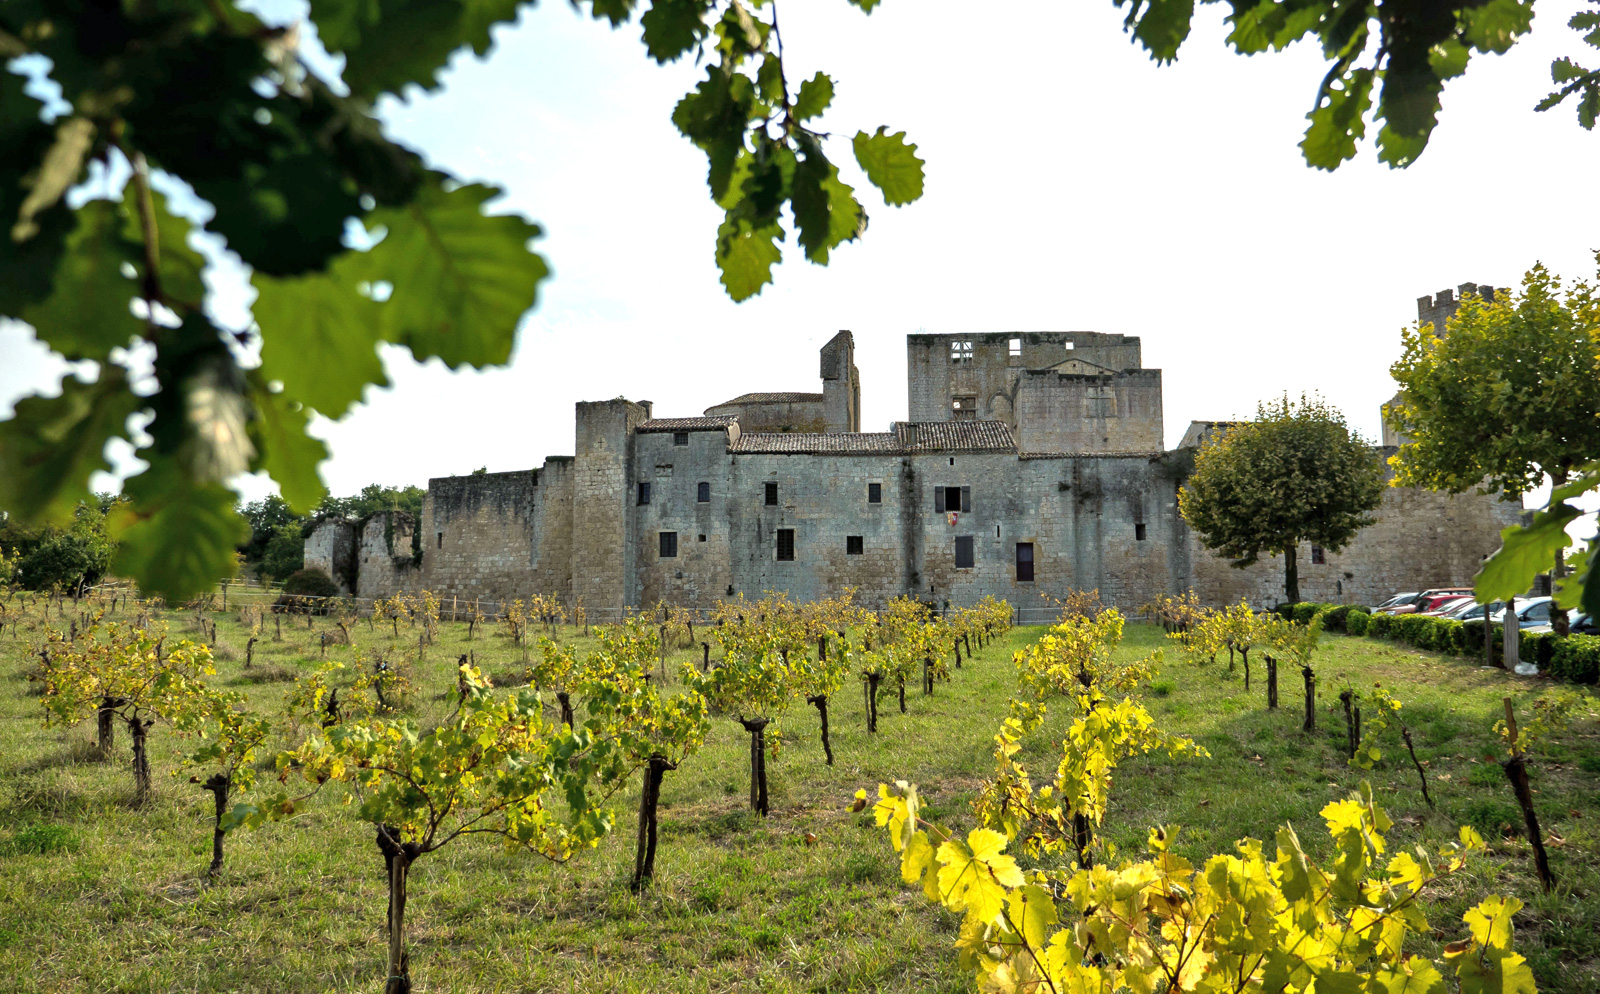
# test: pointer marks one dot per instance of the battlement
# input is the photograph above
(1441, 307)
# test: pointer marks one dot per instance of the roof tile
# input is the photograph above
(719, 423)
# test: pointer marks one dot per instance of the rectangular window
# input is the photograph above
(853, 545)
(772, 495)
(703, 493)
(680, 438)
(644, 494)
(1138, 531)
(964, 409)
(669, 545)
(964, 552)
(1024, 562)
(441, 540)
(874, 493)
(952, 499)
(961, 352)
(785, 545)
(1015, 348)
(1318, 557)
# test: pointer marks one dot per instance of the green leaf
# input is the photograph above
(50, 446)
(673, 27)
(319, 335)
(714, 116)
(891, 164)
(26, 269)
(1524, 553)
(287, 453)
(182, 286)
(1496, 25)
(176, 536)
(1162, 28)
(87, 313)
(865, 5)
(462, 280)
(816, 94)
(825, 209)
(746, 256)
(1338, 121)
(61, 168)
(388, 44)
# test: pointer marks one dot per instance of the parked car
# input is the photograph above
(1578, 623)
(1444, 607)
(1427, 600)
(1469, 611)
(1398, 600)
(1534, 611)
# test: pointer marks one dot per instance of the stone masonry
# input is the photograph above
(1032, 465)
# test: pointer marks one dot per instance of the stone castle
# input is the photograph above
(1031, 463)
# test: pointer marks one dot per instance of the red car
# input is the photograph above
(1430, 599)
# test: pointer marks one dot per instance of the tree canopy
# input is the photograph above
(1297, 473)
(351, 240)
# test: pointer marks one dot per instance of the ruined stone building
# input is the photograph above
(1031, 463)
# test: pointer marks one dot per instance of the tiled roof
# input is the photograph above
(955, 436)
(817, 443)
(773, 398)
(719, 423)
(1091, 455)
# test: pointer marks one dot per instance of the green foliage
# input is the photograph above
(1572, 79)
(1575, 659)
(289, 161)
(1296, 473)
(1379, 625)
(311, 583)
(77, 556)
(267, 517)
(285, 554)
(1356, 622)
(1413, 50)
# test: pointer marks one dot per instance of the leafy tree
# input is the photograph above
(78, 555)
(285, 554)
(205, 94)
(375, 497)
(1296, 473)
(1507, 393)
(1401, 53)
(267, 517)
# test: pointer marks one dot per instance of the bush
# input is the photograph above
(311, 583)
(1412, 630)
(1379, 625)
(1537, 647)
(1449, 636)
(1337, 618)
(1285, 611)
(285, 553)
(1575, 659)
(1355, 623)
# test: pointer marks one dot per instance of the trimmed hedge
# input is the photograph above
(1575, 659)
(1355, 623)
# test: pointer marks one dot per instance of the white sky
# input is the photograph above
(1072, 184)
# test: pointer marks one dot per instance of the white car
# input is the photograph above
(1469, 611)
(1530, 612)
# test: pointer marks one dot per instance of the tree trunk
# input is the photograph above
(1405, 733)
(1517, 772)
(218, 784)
(873, 680)
(1310, 724)
(927, 677)
(397, 858)
(565, 700)
(1272, 683)
(822, 648)
(820, 702)
(141, 759)
(1511, 630)
(758, 763)
(1488, 638)
(1082, 838)
(1346, 698)
(705, 656)
(1245, 655)
(968, 640)
(902, 695)
(1291, 575)
(644, 860)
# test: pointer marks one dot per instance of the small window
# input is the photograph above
(961, 352)
(964, 552)
(702, 538)
(1318, 557)
(952, 499)
(964, 408)
(772, 495)
(785, 545)
(1069, 346)
(703, 493)
(853, 545)
(874, 493)
(1025, 562)
(1015, 348)
(441, 540)
(644, 494)
(1138, 531)
(680, 438)
(669, 545)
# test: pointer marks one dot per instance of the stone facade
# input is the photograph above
(1066, 480)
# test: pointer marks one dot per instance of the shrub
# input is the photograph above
(1449, 636)
(311, 583)
(1355, 623)
(1285, 611)
(1575, 659)
(1337, 618)
(1379, 625)
(1412, 630)
(1537, 647)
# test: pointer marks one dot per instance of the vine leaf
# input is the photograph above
(388, 44)
(175, 534)
(816, 94)
(891, 164)
(1525, 552)
(319, 335)
(746, 255)
(86, 314)
(286, 452)
(49, 448)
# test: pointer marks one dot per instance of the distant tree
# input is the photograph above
(78, 555)
(266, 517)
(1503, 396)
(1296, 473)
(285, 555)
(375, 497)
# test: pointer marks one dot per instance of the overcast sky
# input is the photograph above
(1072, 184)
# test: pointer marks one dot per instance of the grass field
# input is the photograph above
(97, 895)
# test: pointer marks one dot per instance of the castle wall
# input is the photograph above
(478, 535)
(1061, 412)
(331, 548)
(796, 412)
(384, 565)
(603, 492)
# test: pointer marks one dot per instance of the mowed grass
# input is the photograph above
(97, 895)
